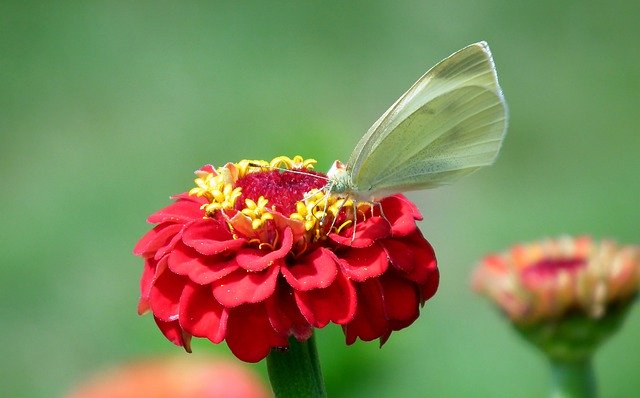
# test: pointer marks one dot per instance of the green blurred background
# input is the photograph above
(106, 109)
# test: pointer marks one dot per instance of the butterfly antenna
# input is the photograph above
(285, 170)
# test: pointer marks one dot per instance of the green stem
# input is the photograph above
(572, 379)
(296, 371)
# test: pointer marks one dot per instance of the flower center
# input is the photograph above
(549, 268)
(285, 186)
(281, 188)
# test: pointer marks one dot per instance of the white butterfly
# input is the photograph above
(450, 123)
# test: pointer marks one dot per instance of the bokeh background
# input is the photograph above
(106, 108)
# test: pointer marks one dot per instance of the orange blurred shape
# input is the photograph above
(173, 378)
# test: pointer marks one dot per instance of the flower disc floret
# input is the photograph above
(259, 251)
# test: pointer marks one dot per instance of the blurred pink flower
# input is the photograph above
(173, 378)
(548, 279)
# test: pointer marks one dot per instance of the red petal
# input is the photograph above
(401, 213)
(284, 315)
(401, 301)
(242, 287)
(425, 258)
(164, 298)
(257, 260)
(250, 336)
(430, 287)
(181, 211)
(201, 315)
(186, 196)
(316, 270)
(362, 264)
(201, 269)
(425, 271)
(158, 237)
(173, 332)
(369, 322)
(207, 168)
(337, 303)
(367, 233)
(152, 268)
(282, 223)
(169, 246)
(400, 253)
(209, 237)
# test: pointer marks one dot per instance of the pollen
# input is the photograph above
(217, 188)
(223, 199)
(305, 214)
(257, 212)
(251, 166)
(318, 209)
(297, 163)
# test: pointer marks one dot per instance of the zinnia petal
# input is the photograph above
(401, 300)
(257, 260)
(369, 322)
(336, 303)
(210, 237)
(242, 287)
(316, 270)
(250, 336)
(152, 268)
(401, 213)
(201, 315)
(362, 264)
(158, 237)
(182, 211)
(425, 259)
(401, 254)
(285, 316)
(367, 233)
(175, 334)
(184, 260)
(164, 297)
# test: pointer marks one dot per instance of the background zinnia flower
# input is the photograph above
(173, 378)
(253, 255)
(547, 279)
(565, 296)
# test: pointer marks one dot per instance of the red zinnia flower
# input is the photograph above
(254, 255)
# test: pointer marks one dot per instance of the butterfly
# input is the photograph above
(450, 123)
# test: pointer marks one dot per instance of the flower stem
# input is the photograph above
(572, 379)
(296, 371)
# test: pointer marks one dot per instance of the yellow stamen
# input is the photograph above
(251, 166)
(343, 225)
(319, 209)
(297, 163)
(217, 189)
(257, 212)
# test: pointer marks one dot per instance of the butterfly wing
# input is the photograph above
(448, 124)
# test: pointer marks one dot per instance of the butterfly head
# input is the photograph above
(339, 179)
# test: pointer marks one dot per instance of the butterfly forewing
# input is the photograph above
(468, 125)
(448, 124)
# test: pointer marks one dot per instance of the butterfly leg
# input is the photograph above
(382, 212)
(355, 220)
(335, 217)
